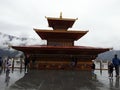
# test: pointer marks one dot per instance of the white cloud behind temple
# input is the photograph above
(100, 17)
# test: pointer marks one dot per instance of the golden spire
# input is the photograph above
(60, 15)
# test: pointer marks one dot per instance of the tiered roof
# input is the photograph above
(60, 31)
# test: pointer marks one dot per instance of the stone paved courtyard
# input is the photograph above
(58, 80)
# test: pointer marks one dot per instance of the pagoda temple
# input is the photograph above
(60, 53)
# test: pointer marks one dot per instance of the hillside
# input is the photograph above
(108, 55)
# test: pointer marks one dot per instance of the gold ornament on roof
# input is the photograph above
(61, 15)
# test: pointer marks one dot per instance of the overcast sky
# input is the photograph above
(100, 17)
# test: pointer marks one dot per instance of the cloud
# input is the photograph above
(101, 18)
(8, 40)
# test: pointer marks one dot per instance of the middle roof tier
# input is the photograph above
(58, 34)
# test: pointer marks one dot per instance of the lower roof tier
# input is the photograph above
(67, 50)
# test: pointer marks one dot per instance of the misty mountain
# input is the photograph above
(108, 55)
(8, 40)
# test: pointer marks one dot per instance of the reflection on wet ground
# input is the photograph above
(9, 78)
(58, 80)
(112, 84)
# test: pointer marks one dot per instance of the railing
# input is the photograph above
(101, 65)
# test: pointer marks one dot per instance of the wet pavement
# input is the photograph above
(7, 81)
(58, 80)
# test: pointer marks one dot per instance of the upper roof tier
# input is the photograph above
(60, 23)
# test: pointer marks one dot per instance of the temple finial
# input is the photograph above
(60, 14)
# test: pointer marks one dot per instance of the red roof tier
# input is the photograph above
(57, 34)
(75, 50)
(60, 23)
